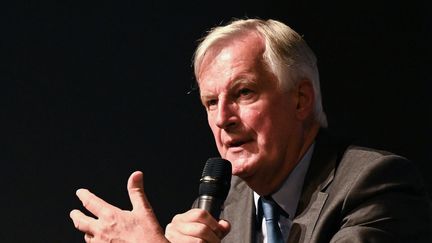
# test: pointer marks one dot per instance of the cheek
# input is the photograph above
(268, 126)
(265, 136)
(257, 121)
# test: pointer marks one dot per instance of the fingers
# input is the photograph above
(82, 222)
(91, 202)
(190, 231)
(225, 228)
(135, 188)
(88, 238)
(203, 217)
(196, 223)
(140, 203)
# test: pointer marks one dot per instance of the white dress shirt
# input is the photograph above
(287, 197)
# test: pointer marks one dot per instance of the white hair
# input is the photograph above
(286, 54)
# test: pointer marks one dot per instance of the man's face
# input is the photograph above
(254, 122)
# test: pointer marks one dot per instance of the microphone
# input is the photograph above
(214, 186)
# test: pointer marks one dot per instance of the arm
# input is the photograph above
(113, 224)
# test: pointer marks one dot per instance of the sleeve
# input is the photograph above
(386, 202)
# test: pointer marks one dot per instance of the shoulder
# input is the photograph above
(367, 162)
(356, 159)
(380, 190)
(356, 152)
(363, 167)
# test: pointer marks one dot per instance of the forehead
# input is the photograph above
(229, 58)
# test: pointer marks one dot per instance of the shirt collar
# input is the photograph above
(288, 195)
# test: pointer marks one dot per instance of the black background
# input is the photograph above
(92, 91)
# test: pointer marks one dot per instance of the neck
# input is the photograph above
(272, 182)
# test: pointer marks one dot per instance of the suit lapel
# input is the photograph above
(319, 176)
(239, 205)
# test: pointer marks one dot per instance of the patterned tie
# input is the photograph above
(271, 215)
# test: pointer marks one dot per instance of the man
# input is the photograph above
(259, 83)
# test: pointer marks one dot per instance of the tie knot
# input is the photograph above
(271, 211)
(270, 208)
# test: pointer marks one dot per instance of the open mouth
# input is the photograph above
(235, 143)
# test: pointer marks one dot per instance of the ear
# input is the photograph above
(305, 99)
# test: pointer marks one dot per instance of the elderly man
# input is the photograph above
(292, 181)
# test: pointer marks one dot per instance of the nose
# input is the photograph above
(226, 117)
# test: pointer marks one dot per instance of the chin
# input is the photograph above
(242, 166)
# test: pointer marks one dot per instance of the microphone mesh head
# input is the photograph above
(216, 178)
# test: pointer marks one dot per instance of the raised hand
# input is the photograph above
(116, 225)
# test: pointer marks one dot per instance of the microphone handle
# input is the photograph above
(211, 204)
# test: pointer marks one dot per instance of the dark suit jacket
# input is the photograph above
(350, 194)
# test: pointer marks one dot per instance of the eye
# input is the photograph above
(246, 95)
(244, 92)
(211, 104)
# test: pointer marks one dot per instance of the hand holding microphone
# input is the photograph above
(205, 224)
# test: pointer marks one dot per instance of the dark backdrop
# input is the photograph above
(91, 92)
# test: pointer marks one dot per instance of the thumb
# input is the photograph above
(135, 188)
(224, 227)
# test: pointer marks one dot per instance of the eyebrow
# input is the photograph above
(241, 81)
(236, 82)
(204, 96)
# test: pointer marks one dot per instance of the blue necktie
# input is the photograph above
(271, 215)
